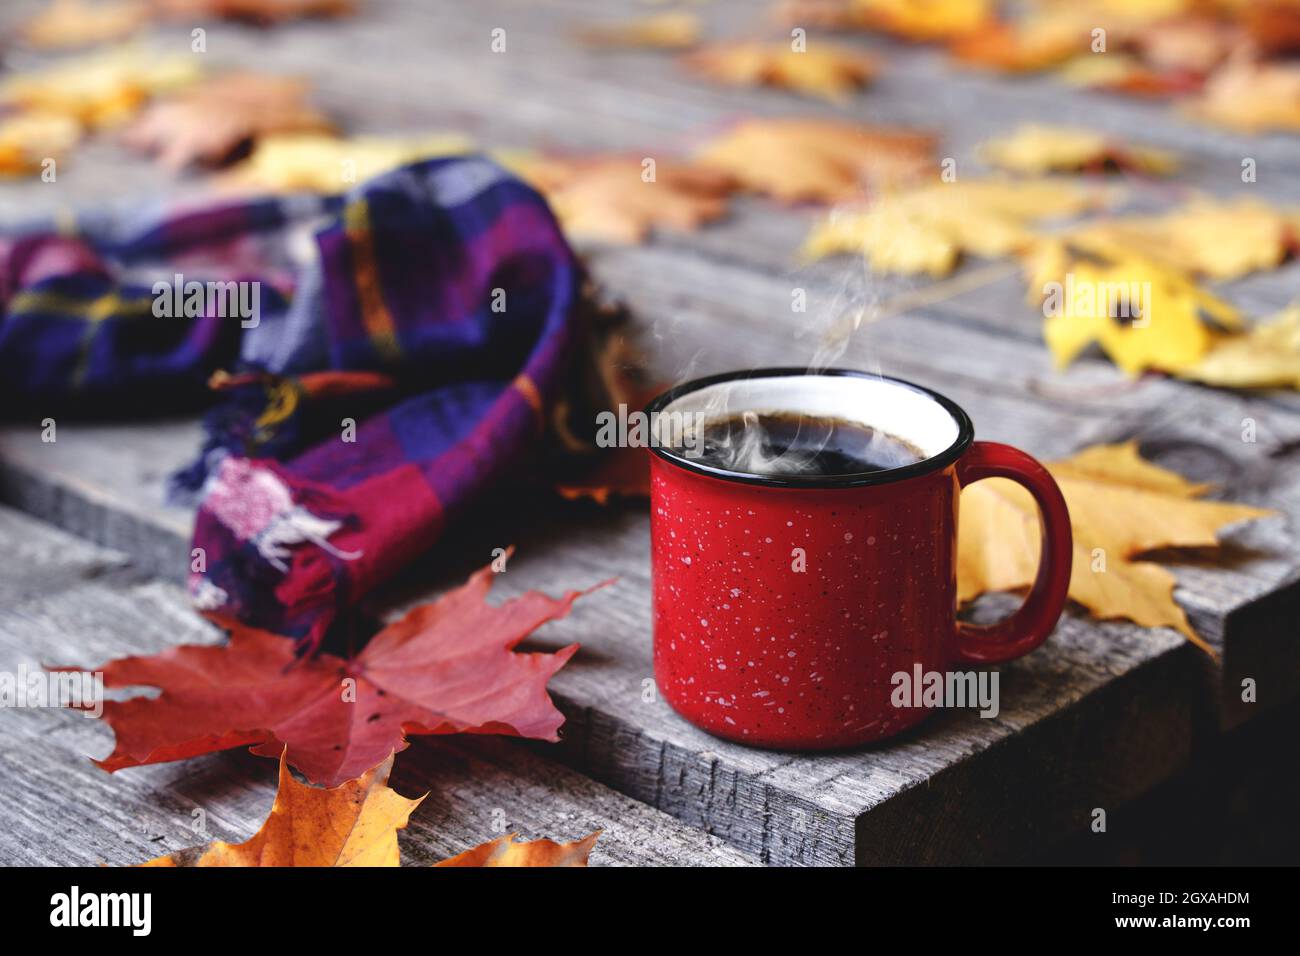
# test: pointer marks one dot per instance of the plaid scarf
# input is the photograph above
(409, 340)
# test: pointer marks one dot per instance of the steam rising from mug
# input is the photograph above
(791, 443)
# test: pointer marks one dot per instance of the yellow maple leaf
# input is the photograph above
(671, 30)
(620, 198)
(824, 70)
(353, 824)
(327, 164)
(1037, 149)
(1143, 314)
(100, 89)
(1121, 507)
(928, 229)
(28, 139)
(1219, 239)
(816, 160)
(356, 824)
(1265, 356)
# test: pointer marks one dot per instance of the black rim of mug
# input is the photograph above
(965, 433)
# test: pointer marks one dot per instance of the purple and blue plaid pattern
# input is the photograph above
(435, 306)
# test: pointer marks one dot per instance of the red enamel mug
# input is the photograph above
(783, 605)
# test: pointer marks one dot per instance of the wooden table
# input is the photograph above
(1100, 715)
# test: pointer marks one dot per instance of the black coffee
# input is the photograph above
(781, 444)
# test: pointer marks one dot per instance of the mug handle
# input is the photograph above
(1029, 626)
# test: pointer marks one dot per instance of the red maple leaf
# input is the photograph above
(446, 667)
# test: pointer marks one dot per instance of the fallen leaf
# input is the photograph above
(1124, 73)
(1267, 355)
(316, 162)
(76, 23)
(926, 20)
(1185, 44)
(817, 160)
(620, 473)
(100, 89)
(353, 824)
(618, 198)
(209, 122)
(1251, 97)
(1217, 238)
(1143, 315)
(673, 30)
(840, 15)
(1272, 25)
(1044, 39)
(445, 667)
(929, 228)
(1121, 507)
(504, 851)
(356, 824)
(822, 70)
(1037, 149)
(28, 139)
(263, 12)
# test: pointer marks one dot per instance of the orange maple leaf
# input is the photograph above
(210, 121)
(356, 824)
(797, 159)
(823, 70)
(621, 198)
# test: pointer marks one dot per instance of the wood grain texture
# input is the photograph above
(1096, 717)
(79, 604)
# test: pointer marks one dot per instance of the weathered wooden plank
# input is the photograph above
(611, 733)
(721, 299)
(65, 601)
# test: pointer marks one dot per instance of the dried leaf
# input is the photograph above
(1272, 25)
(1123, 73)
(210, 121)
(353, 824)
(1265, 356)
(673, 30)
(1220, 239)
(28, 139)
(1036, 42)
(1252, 97)
(504, 851)
(620, 473)
(1038, 149)
(315, 162)
(927, 20)
(1121, 507)
(76, 23)
(928, 229)
(264, 12)
(822, 70)
(1142, 314)
(100, 89)
(1184, 44)
(445, 667)
(356, 824)
(618, 198)
(817, 160)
